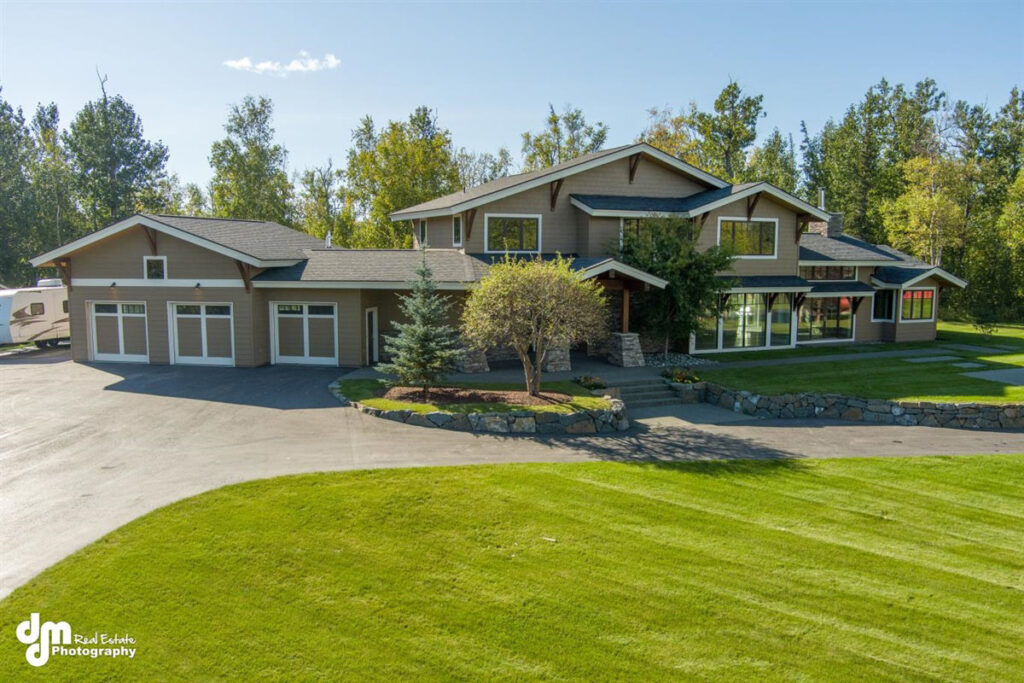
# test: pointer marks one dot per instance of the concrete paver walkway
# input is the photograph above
(85, 449)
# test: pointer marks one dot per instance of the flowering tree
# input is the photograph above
(532, 306)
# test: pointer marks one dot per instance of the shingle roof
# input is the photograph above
(897, 275)
(814, 247)
(504, 183)
(608, 202)
(377, 265)
(841, 287)
(260, 239)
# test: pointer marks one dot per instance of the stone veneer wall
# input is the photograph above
(839, 407)
(612, 419)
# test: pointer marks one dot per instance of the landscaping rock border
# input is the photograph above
(840, 407)
(612, 419)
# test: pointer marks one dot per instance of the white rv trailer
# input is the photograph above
(35, 314)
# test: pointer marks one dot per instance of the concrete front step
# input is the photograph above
(631, 383)
(651, 402)
(634, 395)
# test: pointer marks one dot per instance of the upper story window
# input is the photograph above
(155, 267)
(456, 231)
(423, 233)
(512, 232)
(640, 227)
(828, 272)
(748, 239)
(918, 304)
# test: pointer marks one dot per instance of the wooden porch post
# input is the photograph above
(625, 309)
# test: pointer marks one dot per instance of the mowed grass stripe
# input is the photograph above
(774, 571)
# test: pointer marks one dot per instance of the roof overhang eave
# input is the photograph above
(610, 265)
(138, 219)
(641, 148)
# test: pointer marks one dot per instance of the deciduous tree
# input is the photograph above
(533, 305)
(565, 136)
(115, 166)
(667, 248)
(250, 178)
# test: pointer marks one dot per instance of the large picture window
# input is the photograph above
(512, 233)
(748, 239)
(825, 319)
(639, 228)
(918, 304)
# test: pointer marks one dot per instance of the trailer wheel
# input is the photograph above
(41, 344)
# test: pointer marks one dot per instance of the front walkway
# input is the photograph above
(85, 449)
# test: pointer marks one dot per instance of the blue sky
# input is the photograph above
(490, 70)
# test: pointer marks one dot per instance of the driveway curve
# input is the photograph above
(85, 449)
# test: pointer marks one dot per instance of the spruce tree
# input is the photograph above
(426, 347)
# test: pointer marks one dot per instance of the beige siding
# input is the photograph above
(559, 227)
(603, 237)
(349, 318)
(867, 330)
(918, 331)
(121, 256)
(788, 249)
(156, 300)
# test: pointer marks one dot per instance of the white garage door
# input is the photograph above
(202, 334)
(304, 333)
(119, 331)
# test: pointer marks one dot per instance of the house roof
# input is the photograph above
(260, 239)
(502, 187)
(820, 250)
(767, 283)
(386, 266)
(393, 268)
(258, 243)
(689, 206)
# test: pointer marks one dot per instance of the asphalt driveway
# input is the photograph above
(85, 449)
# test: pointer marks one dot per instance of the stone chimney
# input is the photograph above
(833, 228)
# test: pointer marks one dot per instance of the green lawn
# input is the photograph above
(886, 569)
(894, 378)
(365, 390)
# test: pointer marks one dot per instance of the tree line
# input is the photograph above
(907, 166)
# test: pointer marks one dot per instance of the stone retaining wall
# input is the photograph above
(612, 419)
(839, 407)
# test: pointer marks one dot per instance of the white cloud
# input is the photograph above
(304, 63)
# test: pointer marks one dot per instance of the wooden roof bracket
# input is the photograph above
(556, 187)
(798, 300)
(855, 304)
(801, 225)
(470, 215)
(771, 299)
(752, 204)
(64, 267)
(634, 163)
(246, 272)
(700, 219)
(151, 237)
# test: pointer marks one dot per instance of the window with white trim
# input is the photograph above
(155, 267)
(456, 231)
(834, 273)
(917, 304)
(748, 239)
(423, 233)
(512, 233)
(884, 307)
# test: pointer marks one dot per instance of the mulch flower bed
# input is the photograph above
(463, 395)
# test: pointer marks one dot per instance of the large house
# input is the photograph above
(176, 289)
